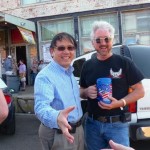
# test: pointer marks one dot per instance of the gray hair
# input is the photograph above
(102, 25)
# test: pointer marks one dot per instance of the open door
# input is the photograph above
(21, 54)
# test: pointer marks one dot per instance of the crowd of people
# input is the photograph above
(57, 101)
(9, 67)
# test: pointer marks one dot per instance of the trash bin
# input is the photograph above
(4, 78)
(13, 82)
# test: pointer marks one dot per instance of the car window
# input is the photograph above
(78, 66)
(116, 50)
(141, 57)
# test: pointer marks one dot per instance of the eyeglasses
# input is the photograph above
(62, 48)
(99, 40)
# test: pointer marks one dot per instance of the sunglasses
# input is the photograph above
(106, 39)
(62, 48)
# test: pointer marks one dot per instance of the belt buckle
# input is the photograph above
(114, 119)
(78, 123)
(59, 131)
(73, 129)
(102, 119)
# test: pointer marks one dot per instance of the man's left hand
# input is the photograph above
(114, 104)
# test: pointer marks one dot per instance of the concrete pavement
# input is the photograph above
(26, 136)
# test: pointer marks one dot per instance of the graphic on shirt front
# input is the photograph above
(117, 74)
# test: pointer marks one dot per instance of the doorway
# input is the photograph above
(21, 54)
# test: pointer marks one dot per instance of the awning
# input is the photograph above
(27, 35)
(17, 21)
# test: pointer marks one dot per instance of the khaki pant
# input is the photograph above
(51, 140)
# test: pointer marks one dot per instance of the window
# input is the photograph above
(143, 21)
(25, 2)
(78, 66)
(50, 28)
(85, 30)
(138, 31)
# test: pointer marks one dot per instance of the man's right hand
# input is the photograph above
(91, 92)
(63, 123)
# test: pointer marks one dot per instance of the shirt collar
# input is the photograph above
(68, 71)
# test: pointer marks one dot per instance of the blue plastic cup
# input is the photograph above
(104, 88)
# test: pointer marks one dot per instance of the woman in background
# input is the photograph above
(22, 74)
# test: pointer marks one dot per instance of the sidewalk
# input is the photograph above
(29, 92)
(24, 100)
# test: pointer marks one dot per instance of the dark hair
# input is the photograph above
(21, 60)
(61, 36)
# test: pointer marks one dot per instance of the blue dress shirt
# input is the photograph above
(55, 89)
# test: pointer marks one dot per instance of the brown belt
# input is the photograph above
(106, 119)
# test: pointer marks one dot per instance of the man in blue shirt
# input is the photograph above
(57, 100)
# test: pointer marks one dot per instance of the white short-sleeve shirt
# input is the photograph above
(2, 84)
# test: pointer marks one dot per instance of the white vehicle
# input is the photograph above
(139, 127)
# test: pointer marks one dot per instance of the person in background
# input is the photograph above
(3, 103)
(34, 70)
(41, 65)
(105, 120)
(3, 71)
(22, 74)
(8, 65)
(116, 146)
(57, 99)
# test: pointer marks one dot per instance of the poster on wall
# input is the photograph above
(46, 53)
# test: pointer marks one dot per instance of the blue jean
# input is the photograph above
(98, 134)
(33, 76)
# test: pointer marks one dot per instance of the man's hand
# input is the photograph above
(114, 104)
(116, 146)
(63, 123)
(91, 92)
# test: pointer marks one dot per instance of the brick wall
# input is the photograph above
(56, 7)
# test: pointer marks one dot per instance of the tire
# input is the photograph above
(11, 128)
